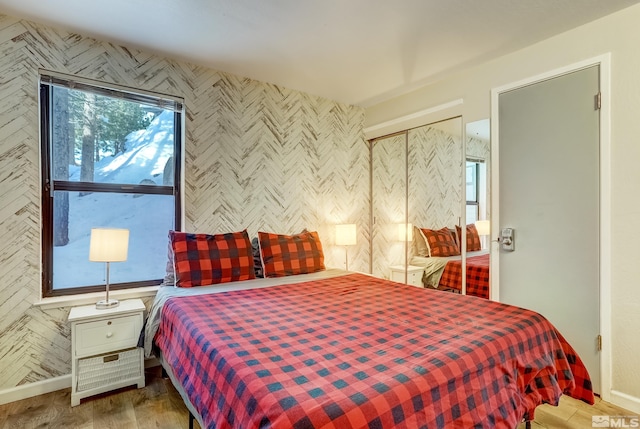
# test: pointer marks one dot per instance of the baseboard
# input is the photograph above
(625, 401)
(34, 389)
(47, 386)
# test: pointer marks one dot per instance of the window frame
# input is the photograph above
(48, 185)
(476, 173)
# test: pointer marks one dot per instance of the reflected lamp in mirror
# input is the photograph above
(483, 227)
(108, 245)
(346, 236)
(405, 232)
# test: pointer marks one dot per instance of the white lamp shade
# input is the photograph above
(346, 234)
(108, 245)
(483, 227)
(405, 232)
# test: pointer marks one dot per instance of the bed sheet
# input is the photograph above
(357, 351)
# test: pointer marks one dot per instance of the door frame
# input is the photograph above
(604, 63)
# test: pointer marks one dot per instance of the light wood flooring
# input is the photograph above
(158, 405)
(573, 414)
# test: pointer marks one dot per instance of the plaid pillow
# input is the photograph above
(286, 255)
(202, 259)
(473, 239)
(441, 242)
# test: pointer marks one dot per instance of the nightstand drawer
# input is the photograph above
(414, 278)
(106, 335)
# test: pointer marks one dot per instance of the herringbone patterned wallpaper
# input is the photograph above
(435, 178)
(388, 201)
(420, 181)
(258, 156)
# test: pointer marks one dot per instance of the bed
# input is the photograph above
(446, 272)
(335, 349)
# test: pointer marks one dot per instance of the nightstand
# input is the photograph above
(104, 348)
(414, 274)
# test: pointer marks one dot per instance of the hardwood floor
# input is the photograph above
(158, 405)
(573, 414)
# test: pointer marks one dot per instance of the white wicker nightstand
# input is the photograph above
(104, 348)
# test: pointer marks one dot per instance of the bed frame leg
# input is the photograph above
(527, 424)
(191, 419)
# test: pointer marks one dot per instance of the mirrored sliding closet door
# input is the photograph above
(434, 198)
(477, 209)
(388, 205)
(430, 206)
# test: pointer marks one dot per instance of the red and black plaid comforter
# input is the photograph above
(477, 276)
(360, 352)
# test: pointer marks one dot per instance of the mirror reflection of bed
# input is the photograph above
(417, 181)
(435, 200)
(445, 272)
(435, 204)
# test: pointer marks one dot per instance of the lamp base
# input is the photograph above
(104, 304)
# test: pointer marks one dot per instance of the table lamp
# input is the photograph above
(346, 236)
(108, 245)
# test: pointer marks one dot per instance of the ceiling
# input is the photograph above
(354, 51)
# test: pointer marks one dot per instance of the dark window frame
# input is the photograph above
(48, 185)
(476, 172)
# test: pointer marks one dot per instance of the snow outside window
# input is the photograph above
(110, 159)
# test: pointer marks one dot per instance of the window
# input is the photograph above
(473, 203)
(110, 158)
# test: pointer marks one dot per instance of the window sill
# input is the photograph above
(90, 298)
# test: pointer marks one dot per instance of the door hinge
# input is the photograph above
(598, 101)
(599, 339)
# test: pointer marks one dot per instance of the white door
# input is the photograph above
(548, 172)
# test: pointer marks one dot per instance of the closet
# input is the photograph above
(417, 179)
(388, 202)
